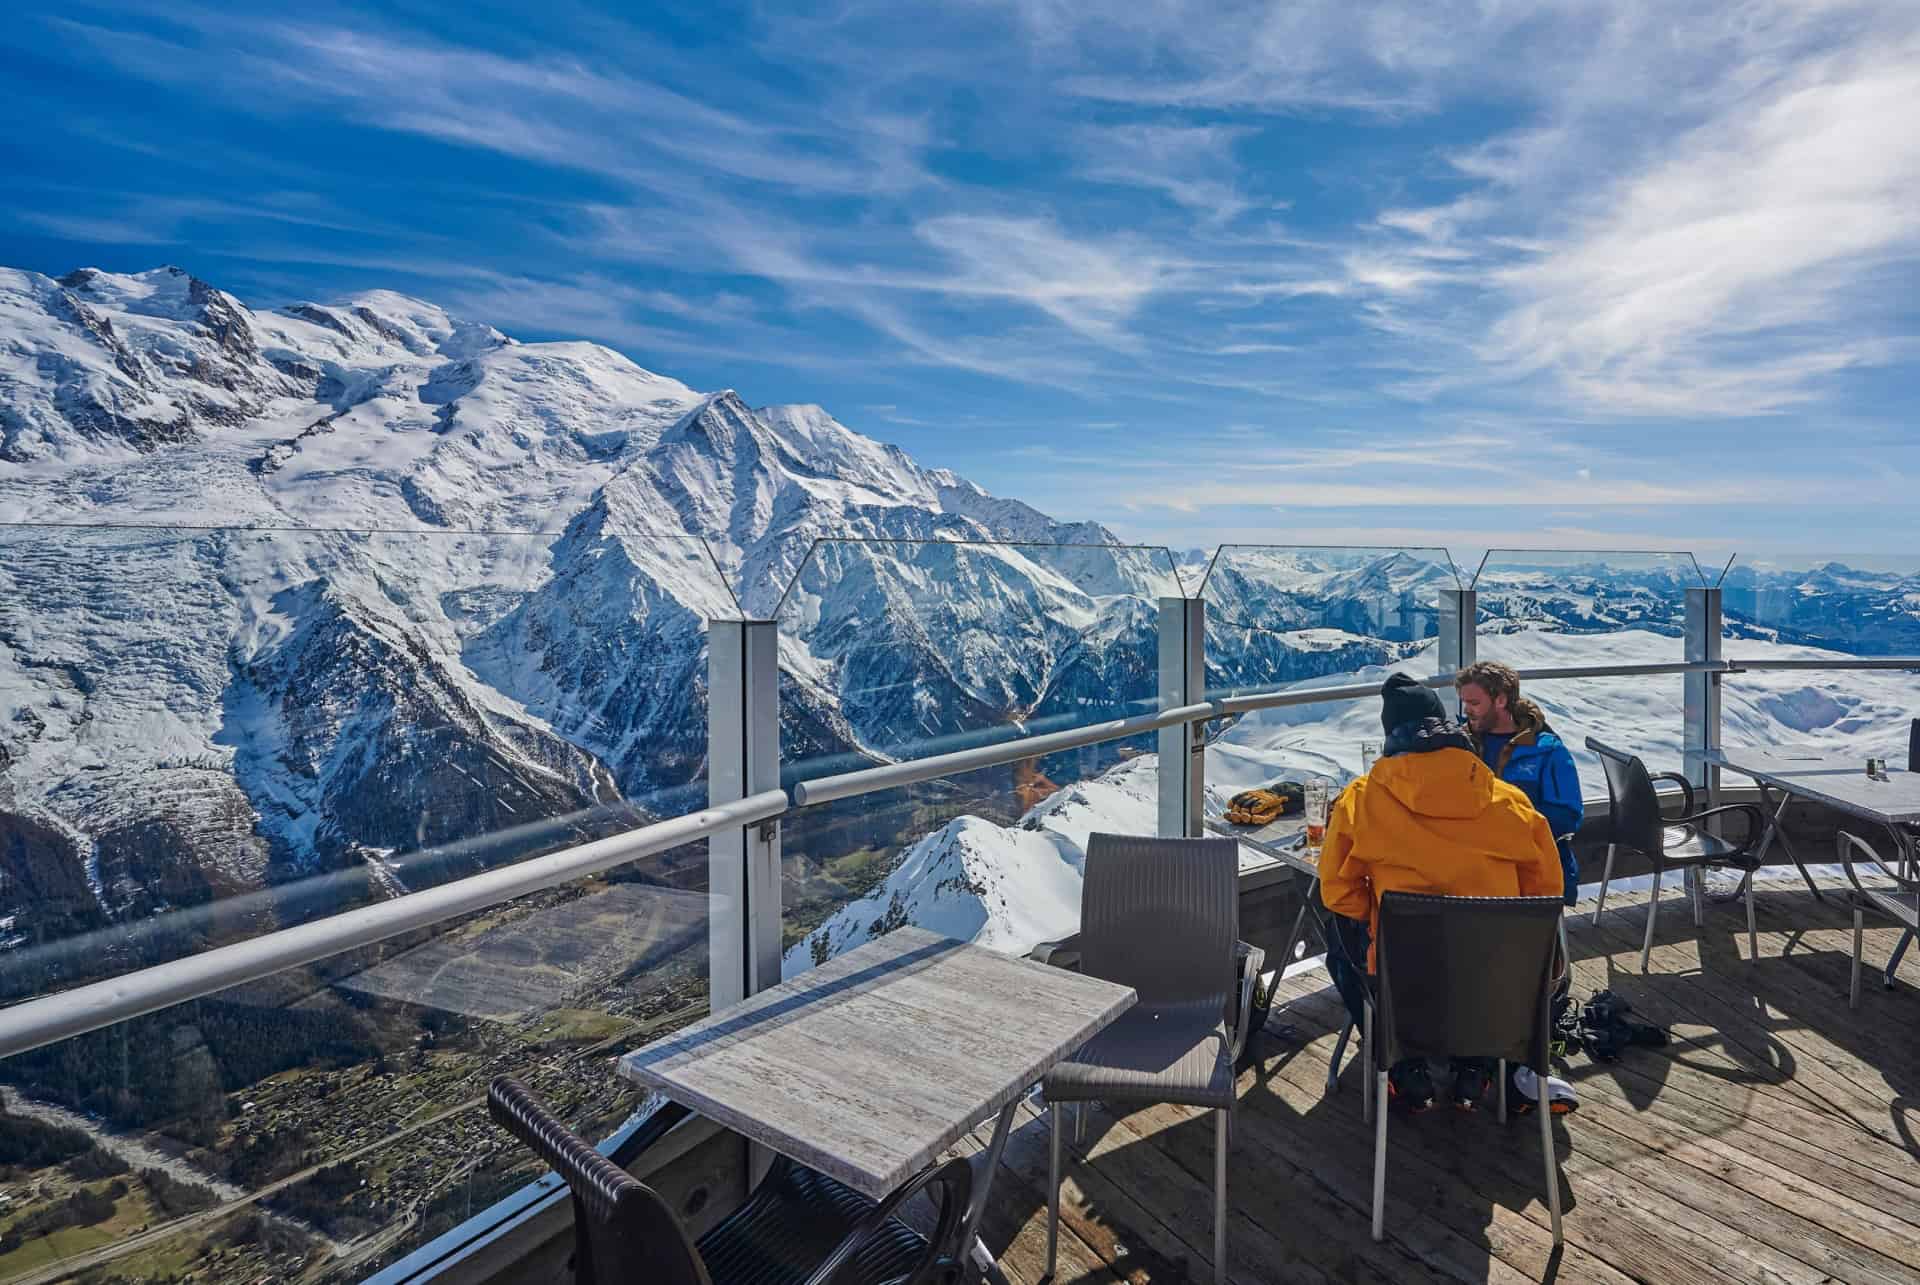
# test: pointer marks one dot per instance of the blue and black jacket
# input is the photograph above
(1538, 762)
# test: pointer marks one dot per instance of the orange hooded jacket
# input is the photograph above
(1436, 822)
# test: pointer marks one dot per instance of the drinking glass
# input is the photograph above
(1369, 751)
(1316, 808)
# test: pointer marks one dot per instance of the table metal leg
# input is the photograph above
(1906, 938)
(1775, 831)
(979, 1261)
(1294, 935)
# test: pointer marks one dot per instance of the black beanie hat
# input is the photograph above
(1404, 700)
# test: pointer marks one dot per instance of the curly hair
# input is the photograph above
(1498, 680)
(1493, 678)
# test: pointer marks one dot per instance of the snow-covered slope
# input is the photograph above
(1005, 887)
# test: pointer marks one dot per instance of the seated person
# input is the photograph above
(1430, 817)
(1514, 739)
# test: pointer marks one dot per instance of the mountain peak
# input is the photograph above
(168, 293)
(718, 426)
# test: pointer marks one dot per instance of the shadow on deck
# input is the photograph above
(1769, 1141)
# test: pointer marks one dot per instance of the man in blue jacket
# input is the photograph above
(1512, 735)
(1514, 740)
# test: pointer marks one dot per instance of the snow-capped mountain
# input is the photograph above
(453, 581)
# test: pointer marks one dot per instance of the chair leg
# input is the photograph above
(1542, 1108)
(1606, 877)
(1222, 1134)
(1698, 877)
(1380, 1157)
(1653, 907)
(1503, 1091)
(1753, 933)
(1366, 1060)
(1853, 987)
(1339, 1051)
(1080, 1123)
(1055, 1120)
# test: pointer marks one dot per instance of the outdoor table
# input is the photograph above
(1280, 842)
(1839, 783)
(869, 1067)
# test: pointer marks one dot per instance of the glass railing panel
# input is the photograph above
(995, 856)
(1280, 615)
(1295, 618)
(339, 1107)
(213, 734)
(1544, 609)
(210, 734)
(1641, 714)
(899, 650)
(1829, 607)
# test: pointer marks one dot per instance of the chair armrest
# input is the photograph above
(1064, 953)
(1756, 820)
(1686, 788)
(1872, 858)
(954, 1180)
(1251, 961)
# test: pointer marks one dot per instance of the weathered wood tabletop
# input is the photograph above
(1273, 843)
(1840, 783)
(870, 1066)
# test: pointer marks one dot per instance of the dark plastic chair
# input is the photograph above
(1898, 901)
(1464, 977)
(1636, 824)
(798, 1228)
(1161, 916)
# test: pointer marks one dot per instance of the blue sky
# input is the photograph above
(1632, 274)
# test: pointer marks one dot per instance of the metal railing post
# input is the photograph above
(743, 759)
(1183, 681)
(1459, 623)
(1701, 736)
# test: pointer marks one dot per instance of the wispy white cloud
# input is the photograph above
(1743, 265)
(1193, 165)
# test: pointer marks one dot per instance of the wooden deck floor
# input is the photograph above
(1770, 1141)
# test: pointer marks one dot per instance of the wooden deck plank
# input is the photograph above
(1757, 1132)
(1168, 1220)
(1610, 1213)
(1764, 1008)
(1018, 1240)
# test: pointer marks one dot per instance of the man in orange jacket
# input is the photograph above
(1430, 817)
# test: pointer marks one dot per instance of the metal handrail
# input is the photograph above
(1836, 662)
(893, 776)
(55, 1017)
(1625, 671)
(890, 776)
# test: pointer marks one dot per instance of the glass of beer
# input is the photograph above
(1316, 809)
